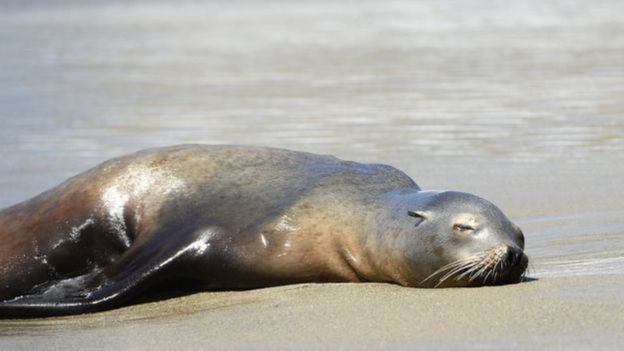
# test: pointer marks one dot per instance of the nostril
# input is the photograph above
(515, 264)
(524, 260)
(514, 256)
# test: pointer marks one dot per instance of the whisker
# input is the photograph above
(476, 266)
(449, 266)
(530, 269)
(487, 276)
(498, 271)
(453, 272)
(479, 272)
(470, 264)
(487, 268)
(492, 272)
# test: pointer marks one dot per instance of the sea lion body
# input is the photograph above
(232, 217)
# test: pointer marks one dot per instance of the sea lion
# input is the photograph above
(236, 217)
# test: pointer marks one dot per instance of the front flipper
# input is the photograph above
(141, 267)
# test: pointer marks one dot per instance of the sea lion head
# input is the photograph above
(462, 240)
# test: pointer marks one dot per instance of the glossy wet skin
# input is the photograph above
(230, 217)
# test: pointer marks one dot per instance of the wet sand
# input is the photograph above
(557, 313)
(519, 103)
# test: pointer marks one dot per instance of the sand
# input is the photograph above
(551, 313)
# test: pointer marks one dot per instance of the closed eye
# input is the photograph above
(463, 227)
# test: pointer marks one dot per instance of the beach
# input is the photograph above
(520, 103)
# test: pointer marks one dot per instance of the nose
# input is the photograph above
(516, 259)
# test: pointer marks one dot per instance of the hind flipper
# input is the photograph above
(138, 269)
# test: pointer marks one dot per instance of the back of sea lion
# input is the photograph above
(102, 237)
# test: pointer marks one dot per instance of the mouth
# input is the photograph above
(497, 266)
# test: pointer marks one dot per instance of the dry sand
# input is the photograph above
(552, 313)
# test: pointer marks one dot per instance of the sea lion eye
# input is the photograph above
(417, 214)
(462, 227)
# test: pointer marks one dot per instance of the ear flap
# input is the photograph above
(417, 214)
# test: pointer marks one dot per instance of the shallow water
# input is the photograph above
(521, 103)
